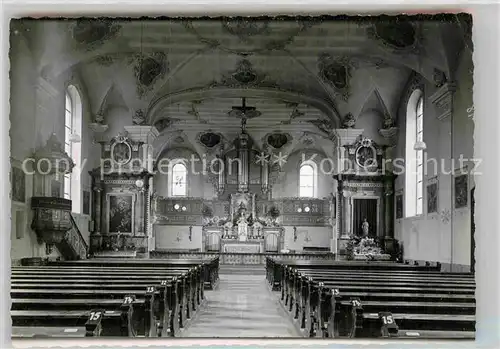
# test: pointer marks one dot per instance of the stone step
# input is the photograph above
(242, 269)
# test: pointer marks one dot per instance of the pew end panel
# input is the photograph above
(388, 326)
(93, 326)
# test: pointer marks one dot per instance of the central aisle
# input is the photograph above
(241, 307)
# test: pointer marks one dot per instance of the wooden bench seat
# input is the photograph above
(389, 276)
(64, 294)
(330, 299)
(392, 283)
(420, 306)
(425, 317)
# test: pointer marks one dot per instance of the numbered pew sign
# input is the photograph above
(93, 324)
(95, 316)
(128, 299)
(388, 327)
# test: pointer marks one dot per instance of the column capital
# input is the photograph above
(348, 135)
(146, 134)
(390, 134)
(443, 100)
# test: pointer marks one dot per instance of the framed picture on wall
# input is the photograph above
(461, 190)
(399, 206)
(86, 202)
(121, 213)
(18, 181)
(432, 197)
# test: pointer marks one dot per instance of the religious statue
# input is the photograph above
(365, 227)
(242, 226)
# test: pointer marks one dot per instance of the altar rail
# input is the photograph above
(242, 258)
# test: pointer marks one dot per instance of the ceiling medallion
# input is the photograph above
(209, 139)
(244, 73)
(91, 33)
(253, 32)
(246, 27)
(277, 140)
(335, 72)
(148, 70)
(397, 34)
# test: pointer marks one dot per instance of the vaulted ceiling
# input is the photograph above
(187, 74)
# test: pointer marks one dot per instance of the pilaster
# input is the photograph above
(346, 136)
(146, 135)
(443, 100)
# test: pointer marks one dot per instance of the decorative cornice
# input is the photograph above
(390, 134)
(443, 100)
(363, 184)
(98, 127)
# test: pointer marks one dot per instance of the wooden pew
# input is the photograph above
(210, 266)
(75, 290)
(426, 301)
(71, 293)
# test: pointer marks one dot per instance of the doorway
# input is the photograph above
(365, 208)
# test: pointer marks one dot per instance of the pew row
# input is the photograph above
(331, 301)
(149, 300)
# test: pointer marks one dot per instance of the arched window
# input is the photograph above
(414, 176)
(178, 182)
(307, 180)
(72, 145)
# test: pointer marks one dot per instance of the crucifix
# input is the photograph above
(244, 112)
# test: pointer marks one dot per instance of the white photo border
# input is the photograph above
(486, 145)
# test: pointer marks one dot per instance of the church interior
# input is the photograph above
(243, 177)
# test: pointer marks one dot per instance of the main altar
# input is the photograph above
(242, 226)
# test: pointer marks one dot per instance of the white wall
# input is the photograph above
(166, 237)
(37, 111)
(432, 237)
(289, 184)
(318, 236)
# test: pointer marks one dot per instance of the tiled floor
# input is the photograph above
(241, 307)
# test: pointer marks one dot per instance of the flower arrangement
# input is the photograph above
(366, 246)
